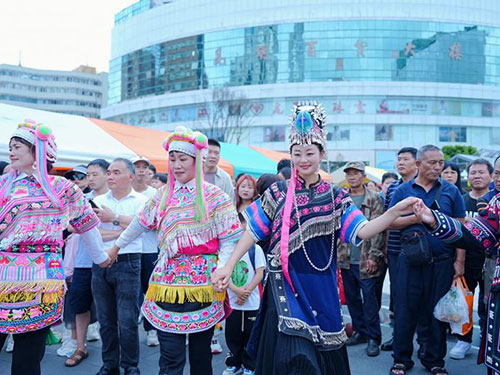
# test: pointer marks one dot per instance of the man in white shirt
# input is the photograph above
(116, 289)
(214, 174)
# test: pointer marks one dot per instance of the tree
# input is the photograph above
(227, 117)
(450, 151)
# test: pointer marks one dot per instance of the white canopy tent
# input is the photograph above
(78, 139)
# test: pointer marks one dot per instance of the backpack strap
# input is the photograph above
(251, 255)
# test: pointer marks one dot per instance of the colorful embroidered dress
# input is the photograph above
(180, 297)
(312, 310)
(479, 234)
(31, 268)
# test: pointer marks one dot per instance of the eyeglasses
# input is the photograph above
(78, 176)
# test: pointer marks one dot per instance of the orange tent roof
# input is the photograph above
(146, 142)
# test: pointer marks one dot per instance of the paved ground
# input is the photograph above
(360, 363)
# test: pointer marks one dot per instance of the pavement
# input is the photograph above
(360, 363)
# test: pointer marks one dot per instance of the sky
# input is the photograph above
(58, 34)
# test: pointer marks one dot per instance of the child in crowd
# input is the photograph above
(244, 297)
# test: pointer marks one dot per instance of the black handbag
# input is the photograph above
(415, 246)
(414, 243)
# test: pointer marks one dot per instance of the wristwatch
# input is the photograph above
(116, 220)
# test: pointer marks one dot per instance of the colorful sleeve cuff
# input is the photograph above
(447, 229)
(258, 224)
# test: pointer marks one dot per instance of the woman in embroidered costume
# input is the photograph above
(300, 315)
(480, 234)
(35, 208)
(197, 227)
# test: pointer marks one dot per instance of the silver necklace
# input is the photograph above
(332, 250)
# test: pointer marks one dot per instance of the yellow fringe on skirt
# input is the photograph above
(52, 291)
(179, 294)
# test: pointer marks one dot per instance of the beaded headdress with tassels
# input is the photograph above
(191, 143)
(308, 126)
(41, 137)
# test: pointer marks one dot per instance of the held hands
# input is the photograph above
(424, 213)
(404, 207)
(113, 254)
(221, 277)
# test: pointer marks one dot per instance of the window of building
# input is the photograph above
(384, 133)
(274, 134)
(495, 136)
(339, 133)
(452, 134)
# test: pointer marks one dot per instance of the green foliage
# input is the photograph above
(450, 151)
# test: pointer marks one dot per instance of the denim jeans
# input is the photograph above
(116, 292)
(364, 312)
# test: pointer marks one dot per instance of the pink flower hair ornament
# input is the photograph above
(42, 138)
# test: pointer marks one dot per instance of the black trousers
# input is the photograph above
(238, 329)
(173, 353)
(419, 290)
(29, 349)
(423, 324)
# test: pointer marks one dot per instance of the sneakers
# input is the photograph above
(10, 344)
(93, 332)
(215, 346)
(67, 348)
(152, 338)
(460, 350)
(232, 370)
(248, 372)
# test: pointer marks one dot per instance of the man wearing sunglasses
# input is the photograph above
(79, 176)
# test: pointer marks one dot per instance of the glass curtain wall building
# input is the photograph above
(386, 80)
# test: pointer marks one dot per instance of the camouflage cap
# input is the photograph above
(358, 165)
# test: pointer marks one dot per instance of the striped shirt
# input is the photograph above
(394, 236)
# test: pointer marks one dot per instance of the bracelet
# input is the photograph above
(459, 261)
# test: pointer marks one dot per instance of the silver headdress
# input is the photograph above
(308, 124)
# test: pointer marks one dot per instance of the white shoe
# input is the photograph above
(93, 332)
(248, 372)
(232, 370)
(152, 338)
(67, 348)
(460, 350)
(10, 344)
(215, 346)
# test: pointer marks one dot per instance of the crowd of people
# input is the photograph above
(113, 245)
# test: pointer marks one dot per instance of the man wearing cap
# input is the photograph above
(79, 177)
(360, 265)
(140, 184)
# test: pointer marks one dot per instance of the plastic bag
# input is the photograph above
(463, 329)
(452, 307)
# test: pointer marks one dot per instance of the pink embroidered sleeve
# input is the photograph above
(148, 214)
(81, 215)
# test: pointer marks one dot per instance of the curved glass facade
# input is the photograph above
(362, 50)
